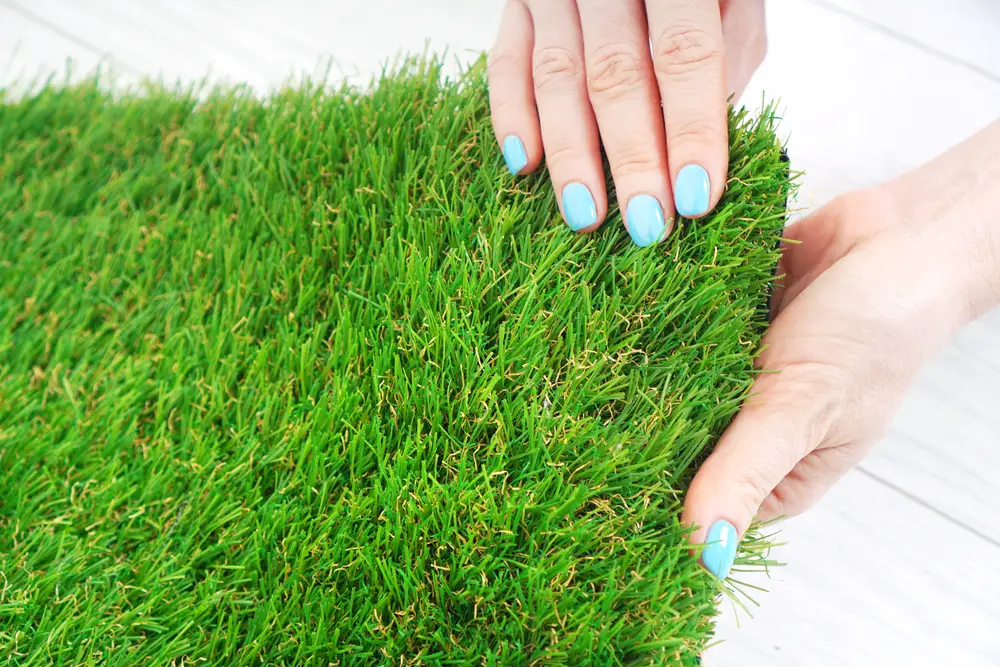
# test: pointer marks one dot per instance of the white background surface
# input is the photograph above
(900, 565)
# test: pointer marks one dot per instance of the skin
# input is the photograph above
(872, 284)
(875, 283)
(567, 76)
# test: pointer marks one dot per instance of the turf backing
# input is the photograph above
(312, 380)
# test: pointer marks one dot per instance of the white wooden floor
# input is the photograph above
(900, 565)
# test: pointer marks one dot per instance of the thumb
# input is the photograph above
(785, 419)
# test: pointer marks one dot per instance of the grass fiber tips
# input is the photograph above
(311, 380)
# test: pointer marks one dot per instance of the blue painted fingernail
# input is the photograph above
(691, 191)
(720, 548)
(644, 218)
(579, 207)
(514, 154)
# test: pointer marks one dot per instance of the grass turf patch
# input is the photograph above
(312, 380)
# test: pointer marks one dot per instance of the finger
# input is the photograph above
(569, 129)
(687, 58)
(512, 98)
(744, 36)
(622, 90)
(808, 481)
(787, 417)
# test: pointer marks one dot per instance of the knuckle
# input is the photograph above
(503, 110)
(637, 158)
(678, 50)
(562, 153)
(800, 379)
(851, 209)
(774, 505)
(862, 201)
(696, 132)
(779, 494)
(614, 71)
(752, 488)
(553, 67)
(501, 63)
(502, 104)
(804, 404)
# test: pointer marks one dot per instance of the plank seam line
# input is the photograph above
(904, 38)
(926, 505)
(65, 34)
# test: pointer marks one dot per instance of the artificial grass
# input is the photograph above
(312, 380)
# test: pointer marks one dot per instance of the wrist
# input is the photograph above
(952, 207)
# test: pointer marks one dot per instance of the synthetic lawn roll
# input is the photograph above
(312, 380)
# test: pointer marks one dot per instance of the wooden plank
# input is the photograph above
(860, 107)
(30, 52)
(964, 30)
(871, 580)
(265, 44)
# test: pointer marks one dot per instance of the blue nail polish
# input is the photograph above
(514, 154)
(720, 548)
(579, 207)
(691, 191)
(644, 218)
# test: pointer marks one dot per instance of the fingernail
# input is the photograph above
(691, 191)
(514, 154)
(644, 216)
(579, 207)
(720, 548)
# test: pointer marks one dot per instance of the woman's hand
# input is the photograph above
(874, 283)
(650, 80)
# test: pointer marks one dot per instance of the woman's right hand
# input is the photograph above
(874, 283)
